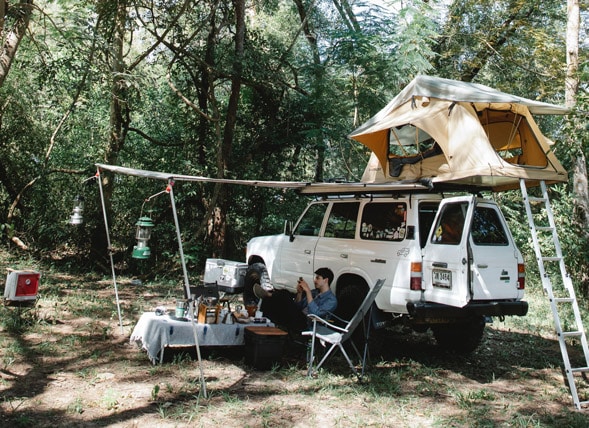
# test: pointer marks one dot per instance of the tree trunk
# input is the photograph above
(218, 221)
(317, 85)
(571, 86)
(580, 188)
(119, 118)
(12, 37)
(572, 57)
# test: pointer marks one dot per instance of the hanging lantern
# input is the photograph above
(144, 226)
(77, 217)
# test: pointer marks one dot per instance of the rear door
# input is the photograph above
(494, 255)
(334, 249)
(446, 271)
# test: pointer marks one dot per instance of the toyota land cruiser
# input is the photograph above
(450, 263)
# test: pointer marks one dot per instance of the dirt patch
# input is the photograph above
(66, 362)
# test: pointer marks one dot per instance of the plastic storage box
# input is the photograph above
(264, 346)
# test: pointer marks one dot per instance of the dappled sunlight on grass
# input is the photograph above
(65, 362)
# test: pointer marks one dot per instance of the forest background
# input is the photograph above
(262, 90)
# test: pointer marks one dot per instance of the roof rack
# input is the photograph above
(384, 189)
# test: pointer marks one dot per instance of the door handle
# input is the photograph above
(307, 251)
(440, 264)
(482, 266)
(343, 256)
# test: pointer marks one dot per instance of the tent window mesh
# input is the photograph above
(408, 145)
(512, 138)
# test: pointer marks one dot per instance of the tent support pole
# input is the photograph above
(109, 249)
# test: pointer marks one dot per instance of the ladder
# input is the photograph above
(557, 285)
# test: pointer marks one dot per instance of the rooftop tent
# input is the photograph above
(459, 133)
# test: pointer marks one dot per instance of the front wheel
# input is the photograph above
(462, 337)
(256, 283)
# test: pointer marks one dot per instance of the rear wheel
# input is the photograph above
(460, 337)
(350, 294)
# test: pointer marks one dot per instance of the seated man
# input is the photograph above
(284, 310)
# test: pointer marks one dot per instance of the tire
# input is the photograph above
(256, 279)
(350, 295)
(462, 338)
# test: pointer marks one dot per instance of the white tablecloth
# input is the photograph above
(156, 332)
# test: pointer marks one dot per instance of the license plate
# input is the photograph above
(442, 278)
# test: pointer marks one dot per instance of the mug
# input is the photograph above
(251, 309)
(181, 306)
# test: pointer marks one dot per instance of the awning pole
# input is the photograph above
(203, 385)
(170, 190)
(109, 249)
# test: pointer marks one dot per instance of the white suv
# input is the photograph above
(449, 282)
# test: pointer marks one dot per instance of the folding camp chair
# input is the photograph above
(330, 334)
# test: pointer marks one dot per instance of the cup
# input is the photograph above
(251, 309)
(223, 316)
(181, 306)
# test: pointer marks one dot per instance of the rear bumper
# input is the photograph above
(424, 310)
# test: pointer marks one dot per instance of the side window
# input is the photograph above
(342, 221)
(487, 228)
(450, 224)
(310, 224)
(384, 221)
(427, 214)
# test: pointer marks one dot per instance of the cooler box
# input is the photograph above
(228, 275)
(264, 346)
(213, 270)
(21, 286)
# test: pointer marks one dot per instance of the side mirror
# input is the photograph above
(288, 229)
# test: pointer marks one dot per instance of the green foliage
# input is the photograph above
(297, 103)
(489, 40)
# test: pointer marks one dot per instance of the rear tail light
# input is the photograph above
(521, 276)
(416, 275)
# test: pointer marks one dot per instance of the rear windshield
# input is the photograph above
(487, 228)
(450, 224)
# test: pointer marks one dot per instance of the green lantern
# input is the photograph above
(144, 226)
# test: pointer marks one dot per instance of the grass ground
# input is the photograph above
(67, 363)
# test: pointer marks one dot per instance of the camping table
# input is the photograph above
(156, 332)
